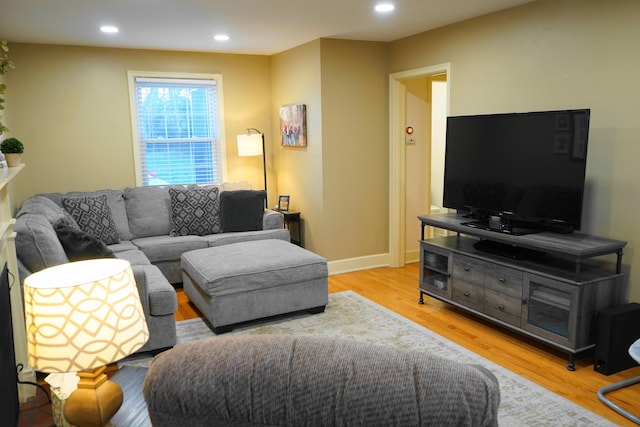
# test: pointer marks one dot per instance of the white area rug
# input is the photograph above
(523, 403)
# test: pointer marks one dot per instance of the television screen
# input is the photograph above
(527, 166)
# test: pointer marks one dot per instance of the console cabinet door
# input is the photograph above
(435, 274)
(551, 309)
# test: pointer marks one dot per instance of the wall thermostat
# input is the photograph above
(409, 138)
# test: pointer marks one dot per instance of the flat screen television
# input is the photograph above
(525, 169)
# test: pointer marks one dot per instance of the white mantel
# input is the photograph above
(8, 255)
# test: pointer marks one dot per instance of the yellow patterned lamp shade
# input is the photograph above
(83, 315)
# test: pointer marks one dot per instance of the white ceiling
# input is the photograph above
(254, 26)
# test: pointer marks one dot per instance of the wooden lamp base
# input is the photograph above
(95, 400)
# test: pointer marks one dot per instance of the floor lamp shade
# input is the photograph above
(252, 144)
(249, 145)
(83, 315)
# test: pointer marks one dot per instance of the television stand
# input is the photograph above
(508, 251)
(540, 285)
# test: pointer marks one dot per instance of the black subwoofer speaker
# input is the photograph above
(618, 328)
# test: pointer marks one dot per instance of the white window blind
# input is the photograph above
(178, 131)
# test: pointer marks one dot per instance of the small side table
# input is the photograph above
(291, 221)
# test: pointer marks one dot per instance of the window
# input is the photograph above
(177, 128)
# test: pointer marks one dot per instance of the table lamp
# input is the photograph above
(252, 144)
(81, 316)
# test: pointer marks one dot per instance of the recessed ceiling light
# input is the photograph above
(384, 7)
(110, 29)
(221, 37)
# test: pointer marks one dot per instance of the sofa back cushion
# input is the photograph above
(149, 210)
(242, 210)
(41, 205)
(93, 215)
(37, 244)
(195, 211)
(115, 201)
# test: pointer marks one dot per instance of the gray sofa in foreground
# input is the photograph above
(280, 380)
(151, 227)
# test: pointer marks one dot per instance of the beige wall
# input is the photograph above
(339, 181)
(553, 55)
(355, 150)
(70, 107)
(296, 80)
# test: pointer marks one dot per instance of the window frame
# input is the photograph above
(133, 107)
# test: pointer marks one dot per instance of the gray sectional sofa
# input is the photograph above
(151, 227)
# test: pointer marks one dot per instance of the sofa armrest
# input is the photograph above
(312, 380)
(141, 282)
(271, 220)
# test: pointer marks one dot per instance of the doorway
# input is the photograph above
(410, 96)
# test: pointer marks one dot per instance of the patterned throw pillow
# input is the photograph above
(93, 216)
(194, 211)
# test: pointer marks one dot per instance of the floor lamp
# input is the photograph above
(81, 316)
(252, 144)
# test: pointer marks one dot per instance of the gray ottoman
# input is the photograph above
(245, 281)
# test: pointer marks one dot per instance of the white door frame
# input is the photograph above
(397, 155)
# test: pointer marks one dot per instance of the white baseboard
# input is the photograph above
(366, 262)
(412, 256)
(359, 263)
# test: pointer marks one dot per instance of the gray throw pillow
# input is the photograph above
(242, 210)
(194, 211)
(79, 245)
(93, 215)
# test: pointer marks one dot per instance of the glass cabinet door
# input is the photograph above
(435, 271)
(550, 309)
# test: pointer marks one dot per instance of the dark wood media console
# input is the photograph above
(545, 285)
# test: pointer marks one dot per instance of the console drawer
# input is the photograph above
(469, 269)
(505, 280)
(500, 306)
(468, 294)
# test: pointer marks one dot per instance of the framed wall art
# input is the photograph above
(283, 203)
(293, 125)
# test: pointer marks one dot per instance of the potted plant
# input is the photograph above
(12, 148)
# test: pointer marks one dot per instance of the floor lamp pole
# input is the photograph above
(264, 168)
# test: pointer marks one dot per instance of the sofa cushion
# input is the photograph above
(194, 211)
(149, 211)
(78, 244)
(93, 215)
(41, 205)
(247, 236)
(242, 210)
(37, 244)
(115, 200)
(134, 256)
(168, 248)
(249, 266)
(123, 245)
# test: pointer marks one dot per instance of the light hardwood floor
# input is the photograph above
(396, 289)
